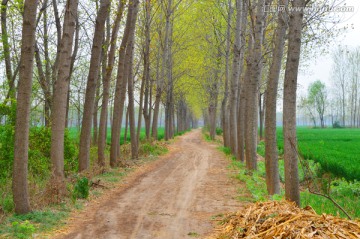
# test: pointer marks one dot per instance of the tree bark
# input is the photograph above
(241, 104)
(121, 85)
(85, 136)
(224, 115)
(96, 112)
(106, 85)
(48, 101)
(55, 66)
(6, 49)
(214, 93)
(159, 89)
(126, 125)
(271, 149)
(261, 115)
(235, 77)
(140, 114)
(292, 192)
(60, 94)
(241, 122)
(148, 89)
(22, 124)
(253, 86)
(167, 71)
(44, 83)
(131, 106)
(72, 63)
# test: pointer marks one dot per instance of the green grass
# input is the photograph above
(337, 150)
(225, 150)
(346, 194)
(49, 217)
(23, 226)
(74, 134)
(254, 181)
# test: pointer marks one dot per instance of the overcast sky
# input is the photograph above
(319, 69)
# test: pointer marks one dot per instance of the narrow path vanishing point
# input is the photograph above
(174, 198)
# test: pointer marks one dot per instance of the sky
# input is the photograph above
(320, 68)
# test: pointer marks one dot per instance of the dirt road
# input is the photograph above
(173, 198)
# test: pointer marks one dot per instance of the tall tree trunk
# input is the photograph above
(126, 125)
(106, 85)
(241, 122)
(213, 95)
(167, 70)
(6, 49)
(131, 107)
(235, 77)
(48, 99)
(159, 89)
(96, 113)
(261, 108)
(44, 84)
(241, 103)
(121, 84)
(60, 95)
(72, 64)
(292, 192)
(271, 150)
(148, 88)
(224, 115)
(55, 65)
(252, 93)
(154, 127)
(85, 136)
(22, 124)
(140, 114)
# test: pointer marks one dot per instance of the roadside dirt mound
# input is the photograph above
(284, 220)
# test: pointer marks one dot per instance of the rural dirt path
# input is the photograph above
(173, 197)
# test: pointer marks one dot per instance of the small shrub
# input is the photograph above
(6, 150)
(336, 125)
(342, 187)
(70, 154)
(207, 137)
(154, 149)
(219, 131)
(81, 188)
(7, 204)
(226, 150)
(23, 230)
(261, 148)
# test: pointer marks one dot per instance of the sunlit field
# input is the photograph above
(337, 150)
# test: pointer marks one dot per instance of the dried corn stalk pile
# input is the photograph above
(285, 220)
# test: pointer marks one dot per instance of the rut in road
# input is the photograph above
(175, 198)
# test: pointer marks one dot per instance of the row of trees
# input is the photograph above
(344, 106)
(192, 58)
(123, 57)
(314, 103)
(337, 104)
(259, 46)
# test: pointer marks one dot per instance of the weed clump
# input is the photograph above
(81, 189)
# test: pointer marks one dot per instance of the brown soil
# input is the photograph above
(173, 197)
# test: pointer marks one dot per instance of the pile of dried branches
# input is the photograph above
(284, 220)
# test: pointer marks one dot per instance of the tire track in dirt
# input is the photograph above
(175, 199)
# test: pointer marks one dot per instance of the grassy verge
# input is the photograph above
(346, 194)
